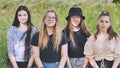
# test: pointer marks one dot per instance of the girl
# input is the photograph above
(19, 38)
(50, 45)
(77, 35)
(103, 48)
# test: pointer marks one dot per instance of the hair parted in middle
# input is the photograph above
(43, 35)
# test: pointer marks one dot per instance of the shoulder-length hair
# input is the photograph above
(29, 24)
(110, 31)
(43, 35)
(82, 27)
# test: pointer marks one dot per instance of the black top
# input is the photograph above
(49, 54)
(80, 39)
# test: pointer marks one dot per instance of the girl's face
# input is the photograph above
(22, 16)
(104, 23)
(50, 19)
(75, 20)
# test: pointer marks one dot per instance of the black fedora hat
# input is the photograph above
(75, 11)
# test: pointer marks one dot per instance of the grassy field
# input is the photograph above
(91, 10)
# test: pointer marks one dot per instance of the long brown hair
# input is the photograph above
(110, 31)
(82, 27)
(29, 24)
(43, 35)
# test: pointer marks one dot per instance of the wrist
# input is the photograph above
(40, 67)
(95, 66)
(15, 66)
(28, 66)
(84, 66)
(114, 67)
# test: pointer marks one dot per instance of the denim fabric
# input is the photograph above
(50, 65)
(77, 62)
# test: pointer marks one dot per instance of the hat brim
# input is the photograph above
(68, 17)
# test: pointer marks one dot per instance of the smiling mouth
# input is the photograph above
(103, 27)
(23, 20)
(49, 22)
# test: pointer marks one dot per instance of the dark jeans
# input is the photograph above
(105, 63)
(21, 65)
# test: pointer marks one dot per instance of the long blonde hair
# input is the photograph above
(43, 35)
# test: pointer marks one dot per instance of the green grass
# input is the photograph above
(91, 10)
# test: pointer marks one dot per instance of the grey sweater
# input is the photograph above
(16, 42)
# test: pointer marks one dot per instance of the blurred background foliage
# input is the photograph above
(91, 10)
